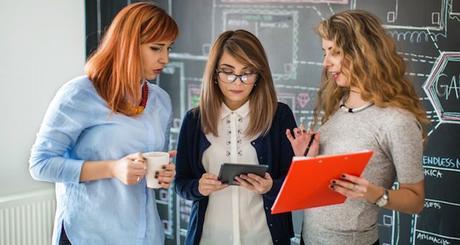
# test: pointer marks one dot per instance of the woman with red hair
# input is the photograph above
(97, 125)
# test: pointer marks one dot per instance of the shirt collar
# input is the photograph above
(243, 111)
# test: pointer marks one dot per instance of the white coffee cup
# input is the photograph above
(155, 161)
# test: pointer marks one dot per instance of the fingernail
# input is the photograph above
(333, 182)
(157, 172)
(343, 175)
(159, 182)
(163, 167)
(331, 186)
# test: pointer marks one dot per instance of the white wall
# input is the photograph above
(42, 45)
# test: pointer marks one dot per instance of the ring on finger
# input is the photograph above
(138, 178)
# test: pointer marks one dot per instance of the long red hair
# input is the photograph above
(115, 67)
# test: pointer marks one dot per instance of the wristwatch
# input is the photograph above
(383, 200)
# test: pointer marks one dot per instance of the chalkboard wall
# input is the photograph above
(427, 33)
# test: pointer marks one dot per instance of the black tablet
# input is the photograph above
(228, 171)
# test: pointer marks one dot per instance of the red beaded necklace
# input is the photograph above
(145, 95)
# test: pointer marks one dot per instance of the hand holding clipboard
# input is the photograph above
(308, 180)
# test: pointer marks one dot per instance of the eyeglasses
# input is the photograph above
(229, 77)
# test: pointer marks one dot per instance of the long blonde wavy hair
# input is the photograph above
(371, 64)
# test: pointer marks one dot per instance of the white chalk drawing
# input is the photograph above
(402, 28)
(255, 20)
(178, 68)
(454, 10)
(287, 1)
(289, 99)
(435, 208)
(440, 88)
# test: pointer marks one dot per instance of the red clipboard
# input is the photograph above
(308, 179)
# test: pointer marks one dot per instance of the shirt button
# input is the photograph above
(270, 224)
(276, 241)
(266, 208)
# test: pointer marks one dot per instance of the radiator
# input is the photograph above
(27, 218)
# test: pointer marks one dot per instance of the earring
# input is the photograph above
(215, 81)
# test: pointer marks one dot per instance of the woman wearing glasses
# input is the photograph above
(238, 120)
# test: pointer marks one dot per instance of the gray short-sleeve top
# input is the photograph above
(395, 137)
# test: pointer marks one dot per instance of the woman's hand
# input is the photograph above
(130, 169)
(209, 183)
(409, 198)
(357, 188)
(166, 175)
(300, 141)
(255, 183)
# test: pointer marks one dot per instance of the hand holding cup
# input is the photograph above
(160, 171)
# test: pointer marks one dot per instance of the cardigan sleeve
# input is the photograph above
(186, 182)
(286, 120)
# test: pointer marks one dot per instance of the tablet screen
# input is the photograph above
(228, 171)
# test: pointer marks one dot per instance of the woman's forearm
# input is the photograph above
(96, 170)
(409, 198)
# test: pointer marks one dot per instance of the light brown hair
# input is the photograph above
(247, 49)
(115, 68)
(371, 64)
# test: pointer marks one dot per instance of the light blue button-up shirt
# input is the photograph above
(79, 126)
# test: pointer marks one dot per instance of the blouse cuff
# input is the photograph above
(72, 171)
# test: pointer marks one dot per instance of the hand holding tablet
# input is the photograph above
(228, 171)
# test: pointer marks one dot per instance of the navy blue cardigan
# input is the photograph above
(273, 149)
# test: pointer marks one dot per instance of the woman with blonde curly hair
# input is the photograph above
(365, 103)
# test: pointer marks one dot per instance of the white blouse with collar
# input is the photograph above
(234, 215)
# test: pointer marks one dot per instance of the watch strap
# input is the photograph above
(383, 200)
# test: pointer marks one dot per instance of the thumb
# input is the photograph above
(172, 153)
(267, 176)
(134, 156)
